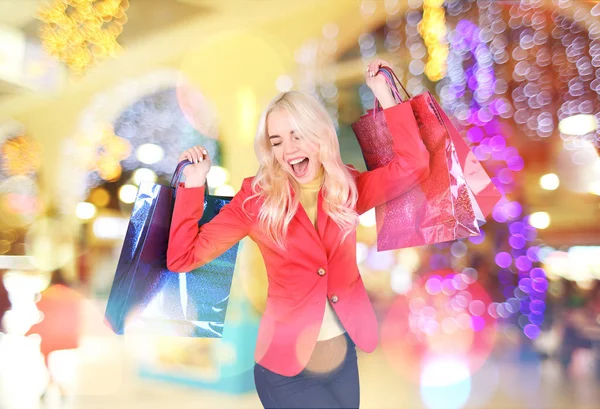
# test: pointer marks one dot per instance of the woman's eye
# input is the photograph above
(276, 144)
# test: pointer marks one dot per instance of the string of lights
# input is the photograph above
(80, 32)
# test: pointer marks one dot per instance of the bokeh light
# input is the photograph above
(81, 32)
(107, 227)
(85, 211)
(100, 197)
(549, 181)
(441, 315)
(144, 175)
(217, 176)
(578, 125)
(19, 201)
(20, 155)
(539, 220)
(127, 193)
(362, 250)
(149, 153)
(503, 259)
(380, 260)
(445, 383)
(401, 280)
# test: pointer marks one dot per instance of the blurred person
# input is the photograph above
(23, 374)
(59, 329)
(580, 329)
(302, 210)
(4, 300)
(485, 276)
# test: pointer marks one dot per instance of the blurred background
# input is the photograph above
(98, 96)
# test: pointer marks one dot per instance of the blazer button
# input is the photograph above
(321, 271)
(334, 299)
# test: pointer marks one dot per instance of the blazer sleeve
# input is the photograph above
(191, 246)
(409, 167)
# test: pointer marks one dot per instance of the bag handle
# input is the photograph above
(178, 172)
(391, 73)
(175, 180)
(389, 76)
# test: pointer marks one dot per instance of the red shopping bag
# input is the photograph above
(441, 208)
(485, 192)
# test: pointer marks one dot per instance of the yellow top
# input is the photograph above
(309, 195)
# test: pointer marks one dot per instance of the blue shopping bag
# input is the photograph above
(148, 298)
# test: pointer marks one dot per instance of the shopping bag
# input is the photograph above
(480, 184)
(442, 207)
(484, 191)
(148, 298)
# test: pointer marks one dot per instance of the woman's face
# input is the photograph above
(294, 152)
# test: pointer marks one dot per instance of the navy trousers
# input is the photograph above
(329, 381)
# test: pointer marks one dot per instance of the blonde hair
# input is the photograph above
(272, 182)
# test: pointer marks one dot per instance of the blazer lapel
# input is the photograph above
(326, 234)
(321, 216)
(307, 224)
(305, 221)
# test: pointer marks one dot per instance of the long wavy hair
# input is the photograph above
(272, 183)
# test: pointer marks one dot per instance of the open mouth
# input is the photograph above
(299, 166)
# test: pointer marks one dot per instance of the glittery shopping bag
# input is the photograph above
(442, 207)
(148, 298)
(481, 188)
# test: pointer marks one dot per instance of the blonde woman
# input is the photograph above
(302, 210)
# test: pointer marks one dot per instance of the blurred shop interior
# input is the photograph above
(90, 110)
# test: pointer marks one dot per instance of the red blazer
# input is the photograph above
(316, 264)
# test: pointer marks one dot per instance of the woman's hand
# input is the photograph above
(376, 81)
(195, 174)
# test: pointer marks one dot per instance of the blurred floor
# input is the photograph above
(108, 379)
(495, 386)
